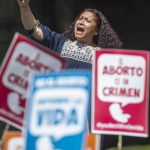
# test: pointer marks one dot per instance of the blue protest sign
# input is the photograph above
(57, 111)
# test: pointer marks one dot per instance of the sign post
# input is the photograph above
(119, 145)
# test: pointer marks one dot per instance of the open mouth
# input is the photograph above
(80, 30)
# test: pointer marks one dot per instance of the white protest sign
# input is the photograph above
(55, 116)
(119, 81)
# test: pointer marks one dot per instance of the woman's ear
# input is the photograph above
(95, 33)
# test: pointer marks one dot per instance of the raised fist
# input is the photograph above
(23, 3)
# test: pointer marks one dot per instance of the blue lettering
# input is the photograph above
(56, 117)
(59, 116)
(73, 117)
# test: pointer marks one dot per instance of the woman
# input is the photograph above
(89, 31)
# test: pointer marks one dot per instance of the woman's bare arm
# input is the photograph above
(28, 20)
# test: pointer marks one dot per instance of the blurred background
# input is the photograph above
(129, 18)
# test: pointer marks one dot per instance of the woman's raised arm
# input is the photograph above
(28, 20)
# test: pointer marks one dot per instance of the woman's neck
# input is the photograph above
(88, 43)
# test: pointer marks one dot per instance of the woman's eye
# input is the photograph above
(88, 21)
(80, 18)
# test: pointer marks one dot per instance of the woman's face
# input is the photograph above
(85, 28)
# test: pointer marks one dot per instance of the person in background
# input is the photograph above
(89, 31)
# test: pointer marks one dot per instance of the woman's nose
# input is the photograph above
(81, 22)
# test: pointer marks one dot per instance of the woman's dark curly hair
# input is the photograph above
(106, 37)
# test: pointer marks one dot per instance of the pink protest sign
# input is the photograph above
(120, 92)
(24, 58)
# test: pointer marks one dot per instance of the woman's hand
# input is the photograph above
(23, 3)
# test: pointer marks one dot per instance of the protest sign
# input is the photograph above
(13, 140)
(120, 92)
(56, 111)
(92, 142)
(24, 58)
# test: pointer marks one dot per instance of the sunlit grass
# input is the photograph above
(144, 147)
